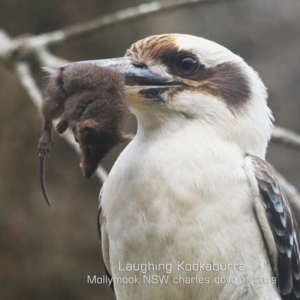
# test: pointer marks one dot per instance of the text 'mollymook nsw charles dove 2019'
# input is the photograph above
(192, 188)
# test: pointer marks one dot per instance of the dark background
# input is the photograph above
(47, 253)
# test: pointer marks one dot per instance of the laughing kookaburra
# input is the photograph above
(190, 209)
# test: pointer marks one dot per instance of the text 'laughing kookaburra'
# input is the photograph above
(190, 209)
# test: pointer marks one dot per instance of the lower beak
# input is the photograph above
(139, 80)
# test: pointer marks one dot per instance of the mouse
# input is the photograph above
(89, 100)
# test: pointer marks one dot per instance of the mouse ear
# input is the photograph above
(87, 126)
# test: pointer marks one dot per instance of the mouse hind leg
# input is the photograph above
(53, 106)
(45, 139)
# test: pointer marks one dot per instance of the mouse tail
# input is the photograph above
(42, 178)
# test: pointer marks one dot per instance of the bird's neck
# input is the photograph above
(187, 140)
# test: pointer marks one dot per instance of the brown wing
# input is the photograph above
(284, 228)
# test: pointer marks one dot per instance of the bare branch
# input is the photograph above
(127, 14)
(286, 138)
(26, 44)
(23, 71)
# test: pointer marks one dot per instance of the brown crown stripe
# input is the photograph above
(152, 47)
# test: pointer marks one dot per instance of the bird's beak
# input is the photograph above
(140, 82)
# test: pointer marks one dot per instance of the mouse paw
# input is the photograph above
(62, 126)
(45, 142)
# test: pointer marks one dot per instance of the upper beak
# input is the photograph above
(138, 79)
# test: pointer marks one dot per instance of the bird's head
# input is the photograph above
(176, 79)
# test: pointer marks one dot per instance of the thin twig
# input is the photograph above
(49, 60)
(24, 73)
(286, 138)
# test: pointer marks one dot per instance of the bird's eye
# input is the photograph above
(187, 66)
